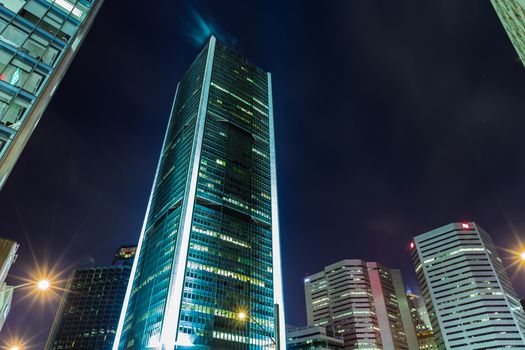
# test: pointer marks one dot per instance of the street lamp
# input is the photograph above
(42, 285)
(242, 316)
(522, 256)
(14, 348)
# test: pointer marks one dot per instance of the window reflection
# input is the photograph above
(18, 40)
(11, 115)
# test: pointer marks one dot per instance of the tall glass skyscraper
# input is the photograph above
(38, 40)
(470, 299)
(209, 247)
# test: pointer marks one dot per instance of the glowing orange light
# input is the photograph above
(43, 285)
(242, 316)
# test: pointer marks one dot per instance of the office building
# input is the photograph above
(419, 313)
(512, 16)
(470, 300)
(90, 308)
(8, 255)
(209, 248)
(421, 322)
(312, 338)
(38, 40)
(358, 301)
(125, 255)
(405, 314)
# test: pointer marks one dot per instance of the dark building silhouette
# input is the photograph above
(89, 313)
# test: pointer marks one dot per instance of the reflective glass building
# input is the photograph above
(38, 40)
(90, 309)
(209, 248)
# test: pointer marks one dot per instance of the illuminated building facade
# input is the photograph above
(125, 255)
(90, 309)
(209, 248)
(312, 338)
(512, 16)
(38, 40)
(470, 300)
(8, 251)
(421, 321)
(358, 300)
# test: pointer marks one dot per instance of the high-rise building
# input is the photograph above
(209, 248)
(404, 309)
(38, 40)
(125, 255)
(90, 309)
(421, 322)
(358, 300)
(470, 300)
(419, 313)
(8, 251)
(512, 16)
(312, 338)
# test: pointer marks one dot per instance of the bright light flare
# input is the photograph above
(241, 315)
(43, 285)
(14, 348)
(515, 257)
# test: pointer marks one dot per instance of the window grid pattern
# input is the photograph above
(34, 36)
(90, 312)
(147, 303)
(229, 265)
(471, 302)
(230, 255)
(341, 298)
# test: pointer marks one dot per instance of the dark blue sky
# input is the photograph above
(391, 119)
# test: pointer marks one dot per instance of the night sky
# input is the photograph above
(392, 118)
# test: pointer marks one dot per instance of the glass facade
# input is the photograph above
(38, 39)
(90, 309)
(512, 16)
(209, 248)
(312, 338)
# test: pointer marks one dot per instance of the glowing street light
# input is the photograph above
(522, 256)
(243, 316)
(14, 348)
(43, 285)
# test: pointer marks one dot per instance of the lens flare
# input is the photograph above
(515, 257)
(43, 285)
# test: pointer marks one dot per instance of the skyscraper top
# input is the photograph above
(469, 296)
(209, 250)
(124, 255)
